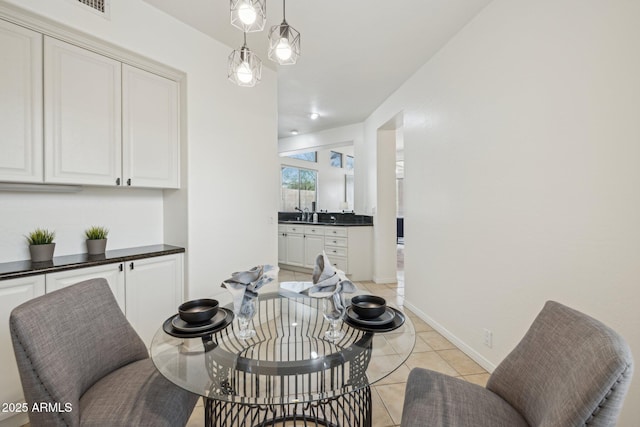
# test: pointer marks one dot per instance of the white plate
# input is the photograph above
(383, 319)
(183, 326)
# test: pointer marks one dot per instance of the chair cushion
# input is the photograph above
(136, 395)
(434, 399)
(569, 369)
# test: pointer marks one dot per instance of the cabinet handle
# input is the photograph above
(335, 241)
(131, 266)
(120, 267)
(117, 181)
(335, 252)
(129, 181)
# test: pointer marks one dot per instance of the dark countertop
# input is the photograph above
(328, 224)
(13, 270)
(339, 219)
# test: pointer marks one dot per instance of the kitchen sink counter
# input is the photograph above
(12, 270)
(332, 219)
(331, 224)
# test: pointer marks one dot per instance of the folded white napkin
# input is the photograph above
(244, 285)
(328, 280)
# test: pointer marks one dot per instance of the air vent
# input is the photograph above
(100, 7)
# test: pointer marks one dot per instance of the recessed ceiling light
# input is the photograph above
(294, 131)
(314, 116)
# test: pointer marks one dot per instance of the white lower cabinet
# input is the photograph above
(349, 249)
(114, 273)
(13, 292)
(148, 290)
(282, 244)
(313, 246)
(153, 292)
(295, 247)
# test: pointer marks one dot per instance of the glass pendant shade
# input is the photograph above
(245, 68)
(284, 44)
(249, 15)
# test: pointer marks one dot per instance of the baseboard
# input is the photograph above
(381, 280)
(466, 349)
(15, 420)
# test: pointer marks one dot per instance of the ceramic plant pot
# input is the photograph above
(41, 253)
(96, 246)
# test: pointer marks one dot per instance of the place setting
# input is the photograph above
(198, 318)
(372, 314)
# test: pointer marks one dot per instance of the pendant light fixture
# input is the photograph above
(284, 42)
(249, 15)
(245, 68)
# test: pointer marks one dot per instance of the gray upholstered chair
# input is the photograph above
(568, 370)
(75, 346)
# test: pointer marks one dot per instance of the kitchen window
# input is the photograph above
(349, 162)
(336, 159)
(309, 156)
(298, 188)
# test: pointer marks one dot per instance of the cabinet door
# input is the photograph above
(154, 292)
(313, 246)
(295, 249)
(282, 248)
(13, 292)
(150, 128)
(20, 104)
(112, 272)
(82, 105)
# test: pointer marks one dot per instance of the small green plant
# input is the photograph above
(41, 236)
(96, 233)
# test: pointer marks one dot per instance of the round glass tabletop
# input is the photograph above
(289, 360)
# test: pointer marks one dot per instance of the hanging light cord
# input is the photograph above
(284, 10)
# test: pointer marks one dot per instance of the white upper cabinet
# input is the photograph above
(20, 104)
(150, 129)
(82, 101)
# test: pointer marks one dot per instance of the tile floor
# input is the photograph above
(431, 351)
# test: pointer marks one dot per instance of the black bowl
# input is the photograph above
(198, 310)
(368, 306)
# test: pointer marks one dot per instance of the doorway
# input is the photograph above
(389, 203)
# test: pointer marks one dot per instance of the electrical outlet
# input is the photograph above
(488, 338)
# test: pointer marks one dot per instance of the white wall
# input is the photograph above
(133, 217)
(226, 211)
(331, 180)
(521, 173)
(336, 137)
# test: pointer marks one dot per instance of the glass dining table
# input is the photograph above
(289, 373)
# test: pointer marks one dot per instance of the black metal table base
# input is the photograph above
(348, 410)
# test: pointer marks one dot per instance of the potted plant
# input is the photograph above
(96, 239)
(41, 244)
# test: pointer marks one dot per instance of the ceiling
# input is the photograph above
(355, 53)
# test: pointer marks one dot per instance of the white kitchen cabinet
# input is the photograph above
(349, 248)
(20, 104)
(295, 245)
(114, 273)
(13, 292)
(82, 105)
(150, 130)
(313, 244)
(154, 290)
(282, 244)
